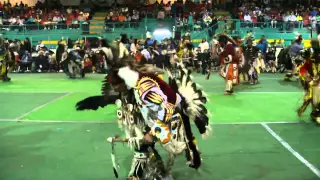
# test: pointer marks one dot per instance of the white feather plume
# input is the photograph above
(129, 76)
(187, 91)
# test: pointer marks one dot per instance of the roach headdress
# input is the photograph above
(226, 38)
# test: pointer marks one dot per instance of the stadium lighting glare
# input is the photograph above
(160, 34)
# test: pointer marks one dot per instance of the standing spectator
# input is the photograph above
(204, 54)
(190, 21)
(247, 19)
(314, 12)
(313, 21)
(263, 45)
(27, 45)
(167, 8)
(273, 21)
(173, 9)
(318, 20)
(260, 18)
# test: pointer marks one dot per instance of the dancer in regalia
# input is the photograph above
(7, 61)
(166, 108)
(230, 62)
(295, 57)
(309, 73)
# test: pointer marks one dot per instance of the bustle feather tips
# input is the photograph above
(194, 97)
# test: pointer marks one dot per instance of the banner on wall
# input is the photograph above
(166, 1)
(70, 2)
(107, 3)
(13, 2)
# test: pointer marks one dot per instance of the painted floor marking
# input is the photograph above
(114, 122)
(292, 151)
(43, 105)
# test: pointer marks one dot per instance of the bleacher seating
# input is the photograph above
(97, 28)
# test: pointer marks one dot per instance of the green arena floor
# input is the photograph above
(256, 133)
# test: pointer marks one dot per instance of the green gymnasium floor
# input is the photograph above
(256, 133)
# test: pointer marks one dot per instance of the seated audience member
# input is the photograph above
(135, 18)
(12, 21)
(30, 20)
(121, 19)
(313, 21)
(161, 15)
(292, 20)
(299, 21)
(42, 62)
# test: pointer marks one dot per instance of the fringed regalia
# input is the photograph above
(255, 68)
(7, 62)
(247, 70)
(160, 110)
(309, 73)
(230, 63)
(295, 57)
(271, 60)
(146, 163)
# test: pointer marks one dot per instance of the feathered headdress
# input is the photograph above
(116, 64)
(225, 38)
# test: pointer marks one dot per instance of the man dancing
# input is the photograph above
(296, 58)
(309, 73)
(162, 105)
(230, 62)
(250, 53)
(5, 63)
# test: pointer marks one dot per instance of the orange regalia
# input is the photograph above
(230, 59)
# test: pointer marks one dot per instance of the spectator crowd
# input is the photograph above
(18, 15)
(264, 15)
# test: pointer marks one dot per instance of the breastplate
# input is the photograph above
(143, 109)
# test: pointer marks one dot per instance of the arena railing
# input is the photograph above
(238, 27)
(34, 28)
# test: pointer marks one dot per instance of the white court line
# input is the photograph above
(59, 121)
(43, 105)
(269, 92)
(33, 92)
(57, 92)
(115, 122)
(254, 123)
(290, 149)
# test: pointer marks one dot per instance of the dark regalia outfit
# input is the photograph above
(271, 59)
(7, 61)
(165, 108)
(250, 54)
(73, 64)
(62, 48)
